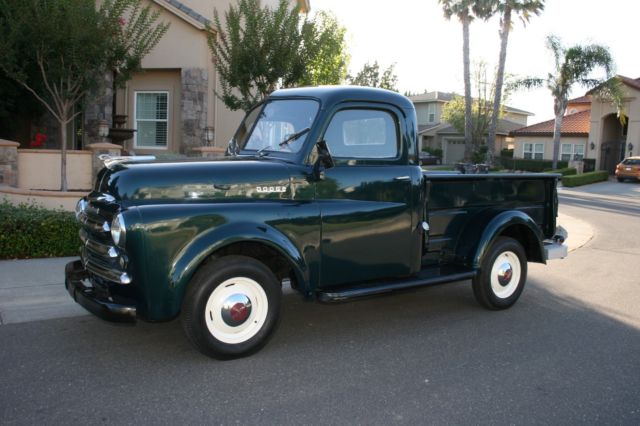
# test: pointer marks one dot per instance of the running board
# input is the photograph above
(426, 277)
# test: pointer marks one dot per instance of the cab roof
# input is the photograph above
(330, 95)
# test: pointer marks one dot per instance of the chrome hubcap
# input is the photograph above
(236, 309)
(505, 273)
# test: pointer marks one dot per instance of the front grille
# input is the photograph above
(99, 254)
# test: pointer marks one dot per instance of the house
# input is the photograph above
(434, 133)
(591, 129)
(172, 104)
(536, 141)
(169, 104)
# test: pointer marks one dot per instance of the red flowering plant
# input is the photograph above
(38, 140)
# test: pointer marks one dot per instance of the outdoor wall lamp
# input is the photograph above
(592, 146)
(630, 147)
(103, 128)
(209, 134)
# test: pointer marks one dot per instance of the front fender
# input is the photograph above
(501, 224)
(188, 259)
(179, 237)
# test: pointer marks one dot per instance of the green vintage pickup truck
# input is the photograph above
(321, 190)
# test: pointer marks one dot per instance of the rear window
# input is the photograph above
(631, 162)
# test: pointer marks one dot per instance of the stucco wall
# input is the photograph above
(184, 49)
(49, 200)
(600, 110)
(156, 80)
(40, 169)
(516, 118)
(548, 145)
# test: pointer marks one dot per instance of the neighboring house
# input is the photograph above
(591, 129)
(435, 134)
(172, 102)
(536, 141)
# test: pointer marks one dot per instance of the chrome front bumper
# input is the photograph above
(78, 285)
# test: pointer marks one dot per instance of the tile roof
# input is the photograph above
(586, 99)
(504, 128)
(432, 96)
(188, 11)
(577, 124)
(448, 96)
(635, 83)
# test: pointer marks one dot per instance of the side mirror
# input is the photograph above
(323, 160)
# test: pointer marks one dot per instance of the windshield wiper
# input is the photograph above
(288, 140)
(294, 136)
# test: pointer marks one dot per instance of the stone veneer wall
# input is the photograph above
(9, 163)
(193, 107)
(99, 106)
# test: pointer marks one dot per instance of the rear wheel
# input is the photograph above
(231, 307)
(620, 179)
(502, 275)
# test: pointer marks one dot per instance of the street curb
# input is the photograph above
(580, 232)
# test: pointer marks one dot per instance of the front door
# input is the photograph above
(365, 200)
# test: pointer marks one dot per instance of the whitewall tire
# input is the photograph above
(231, 307)
(502, 274)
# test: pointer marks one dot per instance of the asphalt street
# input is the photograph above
(567, 353)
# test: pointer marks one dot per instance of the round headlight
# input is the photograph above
(118, 230)
(80, 207)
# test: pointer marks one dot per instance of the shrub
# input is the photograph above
(530, 165)
(28, 231)
(506, 153)
(436, 152)
(479, 156)
(585, 178)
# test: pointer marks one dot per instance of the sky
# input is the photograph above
(427, 48)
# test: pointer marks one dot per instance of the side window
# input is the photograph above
(362, 133)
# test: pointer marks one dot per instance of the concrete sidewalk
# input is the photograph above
(32, 290)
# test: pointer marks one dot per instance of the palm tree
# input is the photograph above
(523, 9)
(463, 10)
(575, 65)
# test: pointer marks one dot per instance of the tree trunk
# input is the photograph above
(468, 121)
(559, 108)
(63, 151)
(504, 40)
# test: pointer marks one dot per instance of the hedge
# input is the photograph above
(29, 231)
(585, 178)
(530, 165)
(569, 171)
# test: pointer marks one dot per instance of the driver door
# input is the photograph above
(365, 200)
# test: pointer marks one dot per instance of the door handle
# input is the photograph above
(402, 178)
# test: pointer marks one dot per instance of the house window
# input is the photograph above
(431, 113)
(570, 152)
(152, 120)
(533, 151)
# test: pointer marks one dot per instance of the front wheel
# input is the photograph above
(502, 275)
(620, 179)
(231, 307)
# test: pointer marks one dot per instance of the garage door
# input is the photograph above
(454, 152)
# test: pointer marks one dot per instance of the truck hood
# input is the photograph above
(148, 183)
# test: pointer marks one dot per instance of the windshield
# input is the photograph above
(277, 126)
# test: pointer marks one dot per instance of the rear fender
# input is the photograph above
(514, 224)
